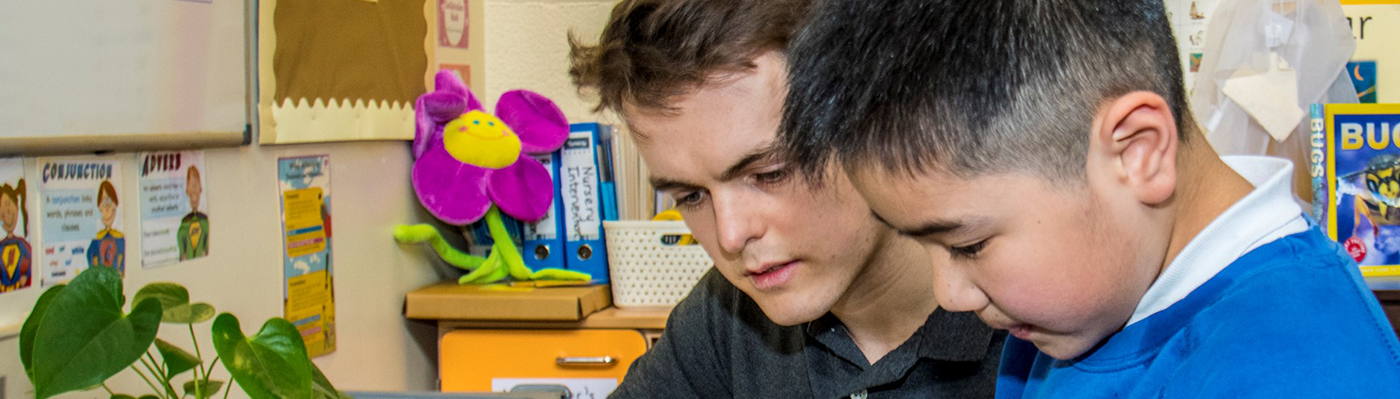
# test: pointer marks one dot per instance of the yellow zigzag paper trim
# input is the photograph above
(342, 120)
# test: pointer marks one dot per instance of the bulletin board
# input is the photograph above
(337, 70)
(92, 75)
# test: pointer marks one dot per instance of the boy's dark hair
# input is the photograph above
(653, 50)
(971, 87)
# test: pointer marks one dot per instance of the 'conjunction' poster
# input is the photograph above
(80, 202)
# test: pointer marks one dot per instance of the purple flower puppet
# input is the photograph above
(471, 164)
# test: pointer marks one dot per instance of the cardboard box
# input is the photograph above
(451, 301)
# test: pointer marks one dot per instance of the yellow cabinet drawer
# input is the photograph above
(471, 359)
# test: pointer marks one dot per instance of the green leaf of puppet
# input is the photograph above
(270, 365)
(85, 338)
(208, 389)
(176, 360)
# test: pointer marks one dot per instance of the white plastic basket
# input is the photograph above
(648, 273)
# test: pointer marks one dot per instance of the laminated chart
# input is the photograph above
(308, 292)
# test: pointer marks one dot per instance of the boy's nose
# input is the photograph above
(954, 291)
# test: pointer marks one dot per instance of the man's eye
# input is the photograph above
(968, 251)
(771, 177)
(690, 200)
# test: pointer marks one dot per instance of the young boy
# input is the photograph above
(1043, 154)
(810, 296)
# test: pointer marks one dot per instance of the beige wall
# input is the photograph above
(378, 349)
(527, 48)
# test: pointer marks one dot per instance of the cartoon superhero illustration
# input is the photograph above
(109, 247)
(15, 255)
(193, 235)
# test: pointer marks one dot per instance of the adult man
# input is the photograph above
(811, 296)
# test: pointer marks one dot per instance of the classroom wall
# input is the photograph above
(378, 349)
(527, 48)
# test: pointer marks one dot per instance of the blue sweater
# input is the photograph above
(1290, 319)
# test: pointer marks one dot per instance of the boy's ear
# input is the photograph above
(1135, 138)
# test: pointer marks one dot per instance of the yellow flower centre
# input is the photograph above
(480, 139)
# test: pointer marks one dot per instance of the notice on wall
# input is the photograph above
(81, 216)
(174, 207)
(16, 256)
(1189, 19)
(304, 184)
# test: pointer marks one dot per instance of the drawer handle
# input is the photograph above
(585, 361)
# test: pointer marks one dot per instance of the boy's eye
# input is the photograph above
(968, 251)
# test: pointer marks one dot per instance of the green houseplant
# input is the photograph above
(78, 336)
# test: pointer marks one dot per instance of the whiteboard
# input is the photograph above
(92, 75)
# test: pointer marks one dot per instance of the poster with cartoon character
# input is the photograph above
(308, 292)
(174, 207)
(16, 256)
(81, 216)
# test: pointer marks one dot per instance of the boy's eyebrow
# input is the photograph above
(932, 227)
(755, 155)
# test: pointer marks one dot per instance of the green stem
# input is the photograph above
(196, 386)
(228, 386)
(418, 233)
(158, 366)
(505, 245)
(143, 377)
(160, 376)
(510, 257)
(199, 368)
(206, 378)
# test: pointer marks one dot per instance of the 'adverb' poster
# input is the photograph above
(81, 216)
(174, 207)
(308, 294)
(16, 256)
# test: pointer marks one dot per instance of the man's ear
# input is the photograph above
(1134, 137)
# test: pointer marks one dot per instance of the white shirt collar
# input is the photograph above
(1268, 213)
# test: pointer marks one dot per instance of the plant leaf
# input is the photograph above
(169, 294)
(85, 338)
(149, 397)
(321, 386)
(270, 365)
(189, 313)
(175, 299)
(123, 396)
(176, 360)
(209, 389)
(30, 330)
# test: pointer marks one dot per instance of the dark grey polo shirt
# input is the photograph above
(718, 344)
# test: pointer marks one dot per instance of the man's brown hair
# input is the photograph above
(653, 50)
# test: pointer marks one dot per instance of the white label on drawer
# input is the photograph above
(582, 388)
